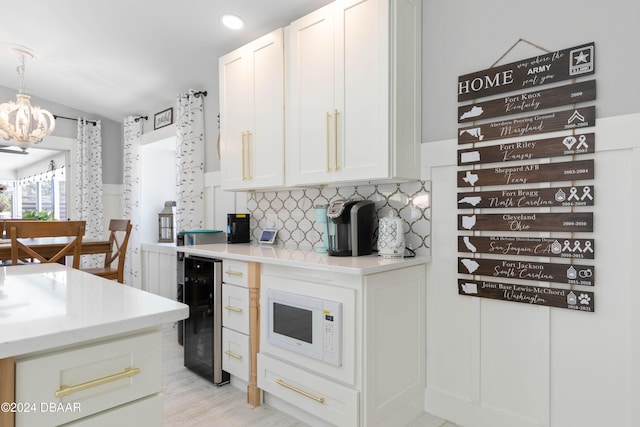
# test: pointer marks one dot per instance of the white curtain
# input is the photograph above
(190, 161)
(131, 198)
(88, 179)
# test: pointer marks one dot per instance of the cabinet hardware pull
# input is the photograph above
(328, 119)
(232, 354)
(302, 392)
(232, 308)
(335, 140)
(234, 273)
(67, 390)
(249, 177)
(243, 171)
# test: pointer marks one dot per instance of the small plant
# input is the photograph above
(5, 202)
(40, 216)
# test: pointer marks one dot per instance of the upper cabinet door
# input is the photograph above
(310, 101)
(252, 114)
(362, 89)
(234, 99)
(346, 85)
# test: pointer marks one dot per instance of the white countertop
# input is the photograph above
(49, 305)
(360, 265)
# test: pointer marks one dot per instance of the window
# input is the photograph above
(42, 196)
(6, 200)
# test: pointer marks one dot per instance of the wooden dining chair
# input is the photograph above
(38, 250)
(120, 229)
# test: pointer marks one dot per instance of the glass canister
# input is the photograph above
(321, 218)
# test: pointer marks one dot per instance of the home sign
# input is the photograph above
(514, 224)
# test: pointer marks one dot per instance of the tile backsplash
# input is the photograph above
(292, 212)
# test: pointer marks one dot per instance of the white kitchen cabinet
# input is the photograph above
(235, 272)
(326, 399)
(353, 93)
(235, 319)
(381, 381)
(147, 412)
(235, 308)
(235, 325)
(252, 114)
(84, 381)
(235, 353)
(159, 263)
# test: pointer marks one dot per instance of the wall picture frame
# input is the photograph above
(163, 118)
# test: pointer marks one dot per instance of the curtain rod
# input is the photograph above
(93, 122)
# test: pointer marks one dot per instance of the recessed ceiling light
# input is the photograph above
(232, 21)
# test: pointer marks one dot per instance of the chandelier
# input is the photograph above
(19, 120)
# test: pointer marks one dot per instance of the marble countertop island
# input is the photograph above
(47, 306)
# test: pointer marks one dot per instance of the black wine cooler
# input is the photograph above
(202, 331)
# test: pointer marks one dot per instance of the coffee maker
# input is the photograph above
(350, 227)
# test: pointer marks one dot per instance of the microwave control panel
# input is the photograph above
(332, 338)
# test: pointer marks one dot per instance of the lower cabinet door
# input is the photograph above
(323, 398)
(235, 353)
(73, 384)
(235, 308)
(144, 412)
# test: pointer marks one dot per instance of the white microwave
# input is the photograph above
(306, 325)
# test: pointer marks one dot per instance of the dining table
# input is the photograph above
(49, 246)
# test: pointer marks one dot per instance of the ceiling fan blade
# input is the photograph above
(10, 151)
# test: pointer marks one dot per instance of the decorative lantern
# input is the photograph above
(165, 223)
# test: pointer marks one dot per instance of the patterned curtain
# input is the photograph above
(190, 161)
(131, 198)
(88, 191)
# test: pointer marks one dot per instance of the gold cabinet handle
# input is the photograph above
(232, 354)
(233, 273)
(67, 390)
(249, 176)
(335, 140)
(232, 308)
(302, 392)
(243, 171)
(328, 119)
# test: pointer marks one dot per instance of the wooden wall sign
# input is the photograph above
(528, 246)
(568, 221)
(529, 198)
(575, 118)
(517, 109)
(535, 295)
(530, 101)
(528, 150)
(526, 174)
(536, 71)
(569, 274)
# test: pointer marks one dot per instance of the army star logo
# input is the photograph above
(581, 60)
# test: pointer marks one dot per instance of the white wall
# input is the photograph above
(219, 203)
(504, 364)
(159, 178)
(463, 36)
(494, 363)
(158, 184)
(111, 133)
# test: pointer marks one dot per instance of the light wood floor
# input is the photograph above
(190, 401)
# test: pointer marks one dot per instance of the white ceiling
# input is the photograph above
(120, 57)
